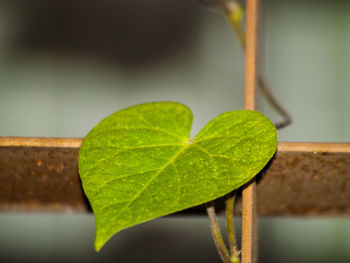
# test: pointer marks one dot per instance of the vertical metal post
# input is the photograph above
(249, 210)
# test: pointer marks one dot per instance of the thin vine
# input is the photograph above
(235, 15)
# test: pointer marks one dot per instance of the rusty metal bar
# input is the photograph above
(303, 179)
(249, 207)
(40, 179)
(306, 184)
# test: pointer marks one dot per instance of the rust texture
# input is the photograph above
(39, 179)
(294, 184)
(306, 183)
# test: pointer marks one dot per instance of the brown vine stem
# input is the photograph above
(215, 230)
(235, 14)
(287, 119)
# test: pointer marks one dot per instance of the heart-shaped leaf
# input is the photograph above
(139, 163)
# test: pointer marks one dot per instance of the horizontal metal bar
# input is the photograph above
(41, 174)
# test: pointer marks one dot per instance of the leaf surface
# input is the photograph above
(139, 163)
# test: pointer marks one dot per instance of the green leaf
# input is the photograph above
(139, 163)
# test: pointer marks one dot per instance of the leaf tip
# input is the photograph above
(101, 238)
(99, 244)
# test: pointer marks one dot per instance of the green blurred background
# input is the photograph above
(65, 65)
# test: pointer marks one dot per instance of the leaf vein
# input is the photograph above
(106, 184)
(138, 129)
(124, 150)
(138, 194)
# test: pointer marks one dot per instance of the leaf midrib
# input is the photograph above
(138, 194)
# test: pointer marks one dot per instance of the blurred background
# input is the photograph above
(65, 65)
